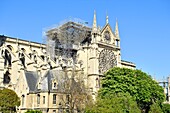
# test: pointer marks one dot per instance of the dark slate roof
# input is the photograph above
(46, 80)
(58, 77)
(32, 79)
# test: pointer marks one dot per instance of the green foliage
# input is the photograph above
(117, 103)
(166, 108)
(8, 100)
(138, 84)
(155, 108)
(33, 111)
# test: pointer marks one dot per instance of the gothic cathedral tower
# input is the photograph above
(101, 54)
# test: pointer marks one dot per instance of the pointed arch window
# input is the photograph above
(38, 99)
(23, 99)
(43, 99)
(97, 82)
(117, 43)
(54, 98)
(7, 78)
(55, 85)
(7, 57)
(22, 58)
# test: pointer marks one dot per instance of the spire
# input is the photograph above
(94, 22)
(107, 18)
(117, 29)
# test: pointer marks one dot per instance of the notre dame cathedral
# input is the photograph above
(35, 71)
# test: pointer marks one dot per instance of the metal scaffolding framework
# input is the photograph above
(65, 39)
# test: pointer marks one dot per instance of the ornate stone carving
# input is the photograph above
(107, 60)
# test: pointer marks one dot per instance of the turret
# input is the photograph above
(107, 19)
(117, 43)
(94, 29)
(117, 30)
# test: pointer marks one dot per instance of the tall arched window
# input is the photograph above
(43, 99)
(117, 43)
(23, 99)
(22, 58)
(54, 98)
(7, 78)
(35, 59)
(7, 57)
(97, 82)
(38, 99)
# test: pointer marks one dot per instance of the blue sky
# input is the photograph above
(144, 25)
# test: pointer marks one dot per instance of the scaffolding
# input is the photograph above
(65, 39)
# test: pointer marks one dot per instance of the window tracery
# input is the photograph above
(107, 60)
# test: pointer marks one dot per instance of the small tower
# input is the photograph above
(117, 30)
(94, 29)
(94, 32)
(117, 43)
(107, 19)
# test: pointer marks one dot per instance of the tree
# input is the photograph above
(8, 100)
(155, 108)
(76, 94)
(138, 84)
(116, 103)
(166, 108)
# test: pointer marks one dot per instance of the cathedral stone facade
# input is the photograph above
(36, 76)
